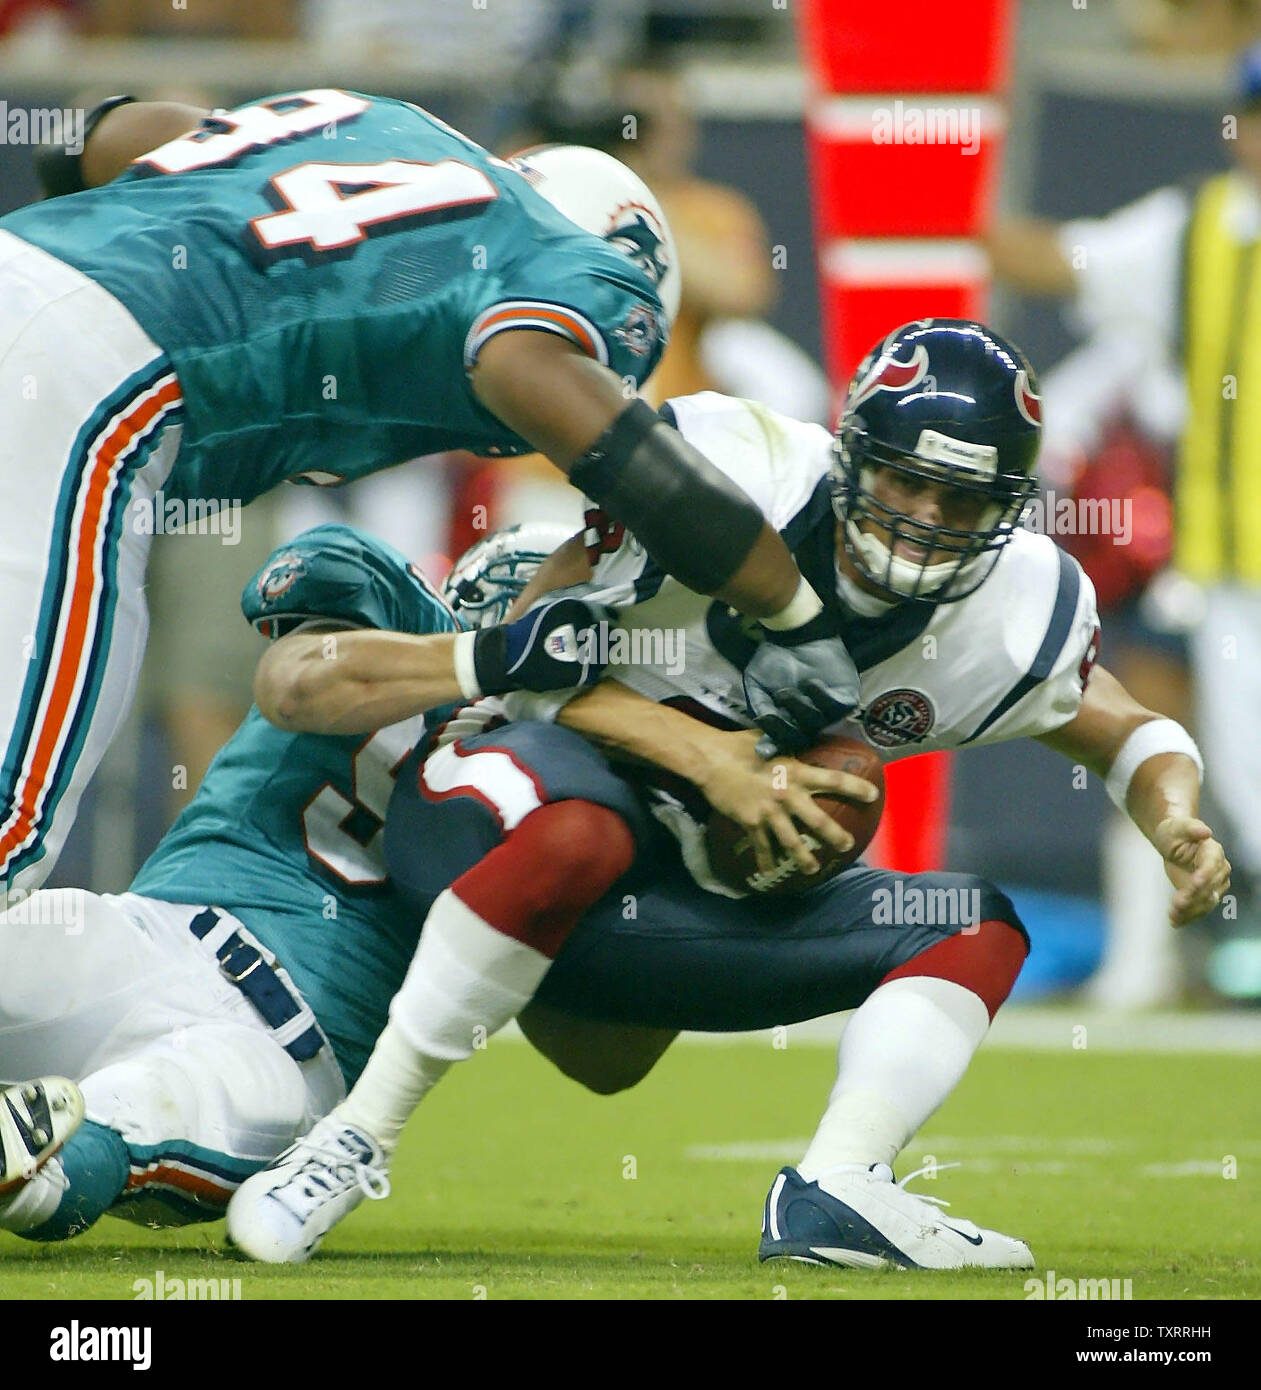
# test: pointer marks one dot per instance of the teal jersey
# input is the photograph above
(321, 270)
(285, 830)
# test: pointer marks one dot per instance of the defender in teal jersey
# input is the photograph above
(204, 1019)
(285, 830)
(347, 261)
(313, 287)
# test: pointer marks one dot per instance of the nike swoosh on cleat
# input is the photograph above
(972, 1240)
(25, 1129)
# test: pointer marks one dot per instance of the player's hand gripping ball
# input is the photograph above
(731, 853)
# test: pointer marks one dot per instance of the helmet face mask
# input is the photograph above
(945, 410)
(486, 580)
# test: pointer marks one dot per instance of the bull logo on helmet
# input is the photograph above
(1028, 403)
(888, 374)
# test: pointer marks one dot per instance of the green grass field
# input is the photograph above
(514, 1183)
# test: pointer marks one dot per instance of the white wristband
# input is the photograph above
(1148, 741)
(465, 668)
(804, 605)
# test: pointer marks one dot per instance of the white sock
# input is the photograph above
(395, 1081)
(36, 1200)
(902, 1053)
(465, 982)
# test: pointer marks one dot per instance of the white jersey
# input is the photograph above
(1008, 661)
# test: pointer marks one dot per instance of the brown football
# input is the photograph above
(731, 852)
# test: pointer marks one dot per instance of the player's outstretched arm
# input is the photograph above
(567, 565)
(770, 799)
(330, 679)
(1153, 773)
(695, 522)
(351, 681)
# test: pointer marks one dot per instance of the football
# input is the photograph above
(731, 854)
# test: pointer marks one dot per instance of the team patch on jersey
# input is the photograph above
(638, 331)
(280, 576)
(898, 716)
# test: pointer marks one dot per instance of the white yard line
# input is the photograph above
(991, 1153)
(1036, 1028)
(1059, 1029)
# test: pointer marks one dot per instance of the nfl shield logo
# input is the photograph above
(898, 716)
(562, 645)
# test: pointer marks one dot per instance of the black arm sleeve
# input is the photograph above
(58, 167)
(692, 519)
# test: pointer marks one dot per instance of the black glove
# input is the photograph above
(797, 683)
(555, 647)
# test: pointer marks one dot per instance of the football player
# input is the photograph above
(198, 1056)
(313, 287)
(188, 1055)
(966, 630)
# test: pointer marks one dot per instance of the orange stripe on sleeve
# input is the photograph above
(573, 326)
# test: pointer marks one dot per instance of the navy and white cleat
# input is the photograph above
(862, 1219)
(281, 1215)
(36, 1119)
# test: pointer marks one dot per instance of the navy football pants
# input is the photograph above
(658, 951)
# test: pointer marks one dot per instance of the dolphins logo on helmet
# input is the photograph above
(604, 197)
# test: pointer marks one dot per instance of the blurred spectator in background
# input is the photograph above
(156, 19)
(26, 18)
(720, 340)
(1169, 291)
(413, 507)
(1180, 27)
(498, 36)
(1111, 424)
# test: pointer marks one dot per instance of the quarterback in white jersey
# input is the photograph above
(1008, 660)
(520, 840)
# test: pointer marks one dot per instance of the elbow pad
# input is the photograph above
(691, 518)
(58, 167)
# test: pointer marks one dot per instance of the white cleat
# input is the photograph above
(36, 1119)
(281, 1215)
(860, 1218)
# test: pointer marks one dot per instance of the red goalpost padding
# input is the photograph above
(904, 137)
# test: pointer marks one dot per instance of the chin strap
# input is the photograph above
(902, 576)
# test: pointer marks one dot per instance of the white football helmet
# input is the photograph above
(603, 196)
(484, 581)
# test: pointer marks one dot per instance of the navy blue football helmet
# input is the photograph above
(939, 401)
